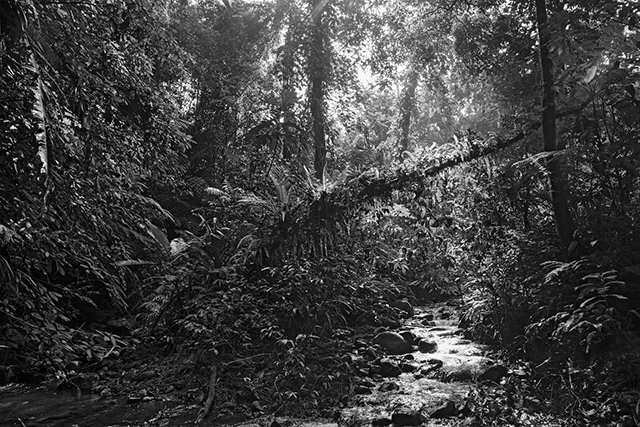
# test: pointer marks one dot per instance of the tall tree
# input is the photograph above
(407, 105)
(557, 176)
(317, 73)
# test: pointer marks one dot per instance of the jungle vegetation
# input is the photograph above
(230, 175)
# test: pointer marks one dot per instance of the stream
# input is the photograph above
(430, 391)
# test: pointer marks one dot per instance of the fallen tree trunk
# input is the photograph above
(384, 185)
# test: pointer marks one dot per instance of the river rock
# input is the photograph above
(460, 374)
(493, 373)
(409, 336)
(432, 365)
(388, 386)
(393, 343)
(404, 305)
(389, 323)
(406, 417)
(426, 345)
(360, 389)
(435, 362)
(389, 368)
(448, 409)
(370, 353)
(381, 422)
(445, 315)
(408, 367)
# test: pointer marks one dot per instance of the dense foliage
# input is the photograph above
(159, 166)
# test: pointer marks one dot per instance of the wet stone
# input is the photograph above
(448, 409)
(445, 315)
(426, 370)
(389, 369)
(406, 418)
(379, 330)
(408, 367)
(388, 386)
(493, 373)
(435, 362)
(427, 345)
(370, 353)
(381, 422)
(390, 323)
(408, 336)
(462, 374)
(360, 389)
(393, 343)
(403, 305)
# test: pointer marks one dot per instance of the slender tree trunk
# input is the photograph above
(14, 24)
(317, 74)
(407, 105)
(288, 92)
(557, 177)
(40, 113)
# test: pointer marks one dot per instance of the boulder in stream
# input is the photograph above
(426, 345)
(406, 417)
(409, 336)
(381, 422)
(403, 305)
(448, 409)
(393, 343)
(389, 368)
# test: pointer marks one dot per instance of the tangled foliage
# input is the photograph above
(84, 117)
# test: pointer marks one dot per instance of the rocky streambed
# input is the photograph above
(431, 382)
(423, 371)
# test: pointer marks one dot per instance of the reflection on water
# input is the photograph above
(43, 408)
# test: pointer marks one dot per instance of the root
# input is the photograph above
(208, 405)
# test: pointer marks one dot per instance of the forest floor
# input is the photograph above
(441, 379)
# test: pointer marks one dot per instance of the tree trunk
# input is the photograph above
(557, 177)
(407, 105)
(317, 74)
(286, 104)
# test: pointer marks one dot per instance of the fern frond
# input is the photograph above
(559, 268)
(156, 205)
(216, 192)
